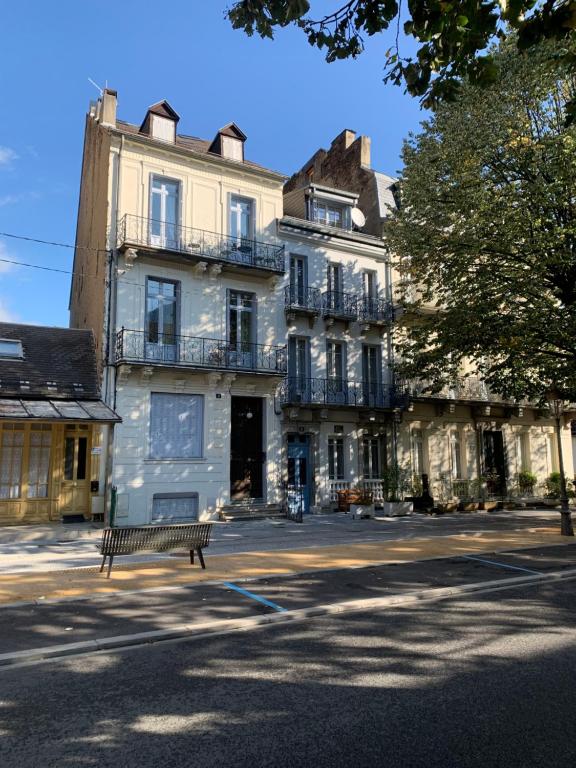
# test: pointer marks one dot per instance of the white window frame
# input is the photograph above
(335, 444)
(237, 235)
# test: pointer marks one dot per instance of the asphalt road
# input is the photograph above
(483, 681)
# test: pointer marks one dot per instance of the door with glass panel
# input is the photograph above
(160, 334)
(336, 384)
(372, 376)
(298, 281)
(75, 484)
(241, 329)
(370, 295)
(164, 213)
(299, 368)
(241, 228)
(335, 298)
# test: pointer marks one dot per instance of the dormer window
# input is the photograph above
(11, 349)
(232, 148)
(163, 129)
(229, 143)
(331, 207)
(331, 214)
(160, 122)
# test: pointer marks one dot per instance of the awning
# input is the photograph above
(94, 411)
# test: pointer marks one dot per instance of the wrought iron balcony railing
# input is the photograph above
(296, 390)
(199, 243)
(375, 310)
(196, 352)
(303, 299)
(471, 389)
(339, 304)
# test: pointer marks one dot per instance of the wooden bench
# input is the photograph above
(154, 538)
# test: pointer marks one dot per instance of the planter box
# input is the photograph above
(468, 506)
(397, 508)
(358, 511)
(447, 506)
(488, 505)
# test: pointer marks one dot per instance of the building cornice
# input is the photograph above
(203, 157)
(337, 239)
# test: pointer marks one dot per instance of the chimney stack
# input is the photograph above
(108, 107)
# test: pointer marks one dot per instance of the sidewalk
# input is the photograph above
(175, 570)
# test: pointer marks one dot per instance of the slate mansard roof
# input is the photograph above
(56, 363)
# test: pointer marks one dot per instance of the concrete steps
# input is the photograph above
(251, 510)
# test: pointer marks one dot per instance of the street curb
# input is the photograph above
(215, 628)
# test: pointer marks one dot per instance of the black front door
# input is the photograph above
(246, 455)
(494, 462)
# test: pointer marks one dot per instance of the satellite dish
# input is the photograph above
(358, 218)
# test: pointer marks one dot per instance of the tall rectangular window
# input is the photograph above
(336, 458)
(176, 426)
(369, 285)
(241, 218)
(335, 361)
(164, 212)
(298, 280)
(417, 439)
(455, 455)
(161, 318)
(523, 452)
(371, 458)
(39, 461)
(11, 454)
(241, 328)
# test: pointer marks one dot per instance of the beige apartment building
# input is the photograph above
(245, 326)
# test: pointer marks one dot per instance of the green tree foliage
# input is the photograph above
(487, 228)
(452, 35)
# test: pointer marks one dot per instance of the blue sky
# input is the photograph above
(282, 94)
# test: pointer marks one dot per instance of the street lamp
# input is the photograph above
(557, 408)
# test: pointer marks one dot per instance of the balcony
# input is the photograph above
(197, 353)
(302, 301)
(472, 389)
(337, 393)
(375, 311)
(337, 305)
(199, 245)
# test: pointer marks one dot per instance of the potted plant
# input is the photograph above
(526, 482)
(467, 501)
(361, 503)
(396, 482)
(445, 492)
(553, 490)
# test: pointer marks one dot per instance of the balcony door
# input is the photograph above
(298, 280)
(370, 294)
(336, 372)
(335, 298)
(164, 213)
(161, 320)
(299, 368)
(372, 376)
(242, 228)
(241, 329)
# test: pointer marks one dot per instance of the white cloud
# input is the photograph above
(7, 155)
(6, 314)
(5, 254)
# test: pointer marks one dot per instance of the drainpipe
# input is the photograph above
(109, 466)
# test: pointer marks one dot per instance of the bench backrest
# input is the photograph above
(157, 538)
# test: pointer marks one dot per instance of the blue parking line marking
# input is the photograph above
(502, 565)
(246, 593)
